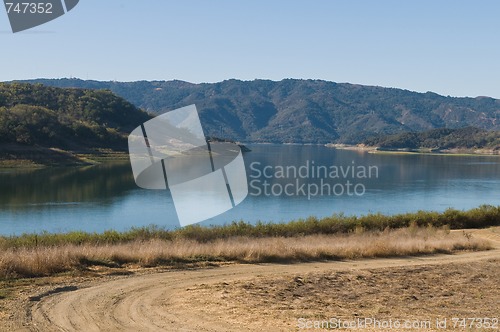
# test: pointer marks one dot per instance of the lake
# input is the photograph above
(286, 182)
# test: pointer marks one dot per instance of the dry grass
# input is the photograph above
(50, 260)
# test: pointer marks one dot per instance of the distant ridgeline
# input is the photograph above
(303, 111)
(35, 119)
(440, 139)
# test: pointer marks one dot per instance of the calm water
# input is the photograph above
(105, 197)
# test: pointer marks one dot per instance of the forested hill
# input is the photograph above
(303, 111)
(440, 139)
(66, 119)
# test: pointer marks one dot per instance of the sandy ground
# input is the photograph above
(267, 297)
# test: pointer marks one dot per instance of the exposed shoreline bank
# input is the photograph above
(21, 156)
(426, 151)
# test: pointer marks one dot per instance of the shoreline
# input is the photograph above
(26, 157)
(17, 156)
(423, 151)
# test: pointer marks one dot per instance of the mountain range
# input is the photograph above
(302, 111)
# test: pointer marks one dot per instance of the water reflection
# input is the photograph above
(65, 185)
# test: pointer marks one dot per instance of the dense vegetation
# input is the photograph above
(482, 216)
(336, 237)
(304, 110)
(68, 119)
(463, 138)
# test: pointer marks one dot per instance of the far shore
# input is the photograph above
(22, 156)
(18, 156)
(82, 160)
(426, 151)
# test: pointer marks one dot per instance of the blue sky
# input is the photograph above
(449, 47)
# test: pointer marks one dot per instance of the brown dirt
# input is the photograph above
(263, 297)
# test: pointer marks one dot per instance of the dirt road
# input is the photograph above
(156, 302)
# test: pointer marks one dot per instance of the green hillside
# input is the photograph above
(38, 121)
(303, 111)
(440, 139)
